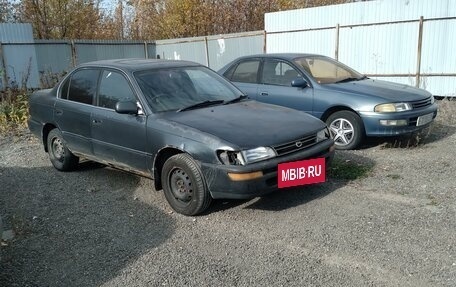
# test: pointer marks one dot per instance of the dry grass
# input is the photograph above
(13, 111)
(447, 111)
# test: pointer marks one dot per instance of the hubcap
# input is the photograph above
(342, 131)
(181, 185)
(58, 149)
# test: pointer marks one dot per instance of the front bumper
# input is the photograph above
(373, 127)
(221, 186)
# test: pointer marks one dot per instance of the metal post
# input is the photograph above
(73, 53)
(418, 56)
(336, 52)
(146, 53)
(207, 51)
(264, 42)
(3, 68)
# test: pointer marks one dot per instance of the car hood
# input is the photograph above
(249, 124)
(381, 89)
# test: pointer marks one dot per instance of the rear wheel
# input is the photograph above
(59, 154)
(184, 185)
(346, 128)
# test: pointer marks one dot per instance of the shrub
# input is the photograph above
(13, 110)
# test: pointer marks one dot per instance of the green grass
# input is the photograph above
(348, 170)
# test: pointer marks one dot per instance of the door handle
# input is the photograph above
(264, 93)
(97, 122)
(58, 112)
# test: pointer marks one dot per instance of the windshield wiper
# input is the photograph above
(346, 80)
(201, 105)
(235, 100)
(349, 79)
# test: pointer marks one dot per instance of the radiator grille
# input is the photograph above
(296, 145)
(421, 104)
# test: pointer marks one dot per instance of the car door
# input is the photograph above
(275, 86)
(245, 76)
(73, 108)
(118, 138)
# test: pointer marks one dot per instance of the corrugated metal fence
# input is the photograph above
(213, 51)
(41, 63)
(405, 41)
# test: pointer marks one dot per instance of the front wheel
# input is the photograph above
(346, 128)
(59, 154)
(184, 185)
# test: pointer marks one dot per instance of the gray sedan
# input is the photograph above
(181, 124)
(352, 105)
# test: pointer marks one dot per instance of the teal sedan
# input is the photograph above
(352, 105)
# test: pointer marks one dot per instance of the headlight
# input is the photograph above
(246, 156)
(323, 135)
(393, 107)
(229, 157)
(257, 154)
(432, 99)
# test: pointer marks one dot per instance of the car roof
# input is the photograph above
(287, 56)
(133, 64)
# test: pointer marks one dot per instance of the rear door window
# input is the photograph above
(83, 86)
(246, 72)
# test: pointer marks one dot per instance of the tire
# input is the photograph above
(59, 154)
(184, 186)
(346, 128)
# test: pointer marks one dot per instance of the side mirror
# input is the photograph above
(299, 83)
(127, 107)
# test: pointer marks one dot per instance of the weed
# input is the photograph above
(433, 201)
(348, 170)
(13, 110)
(20, 225)
(48, 79)
(394, 176)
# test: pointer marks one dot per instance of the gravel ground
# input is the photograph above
(98, 226)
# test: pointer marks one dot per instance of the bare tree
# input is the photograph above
(159, 19)
(150, 19)
(9, 11)
(62, 19)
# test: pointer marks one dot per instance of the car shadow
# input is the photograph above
(75, 228)
(283, 199)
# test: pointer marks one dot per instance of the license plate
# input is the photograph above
(301, 172)
(424, 119)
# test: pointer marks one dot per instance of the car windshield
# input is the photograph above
(325, 70)
(184, 88)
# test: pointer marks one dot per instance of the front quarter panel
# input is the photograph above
(325, 100)
(162, 133)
